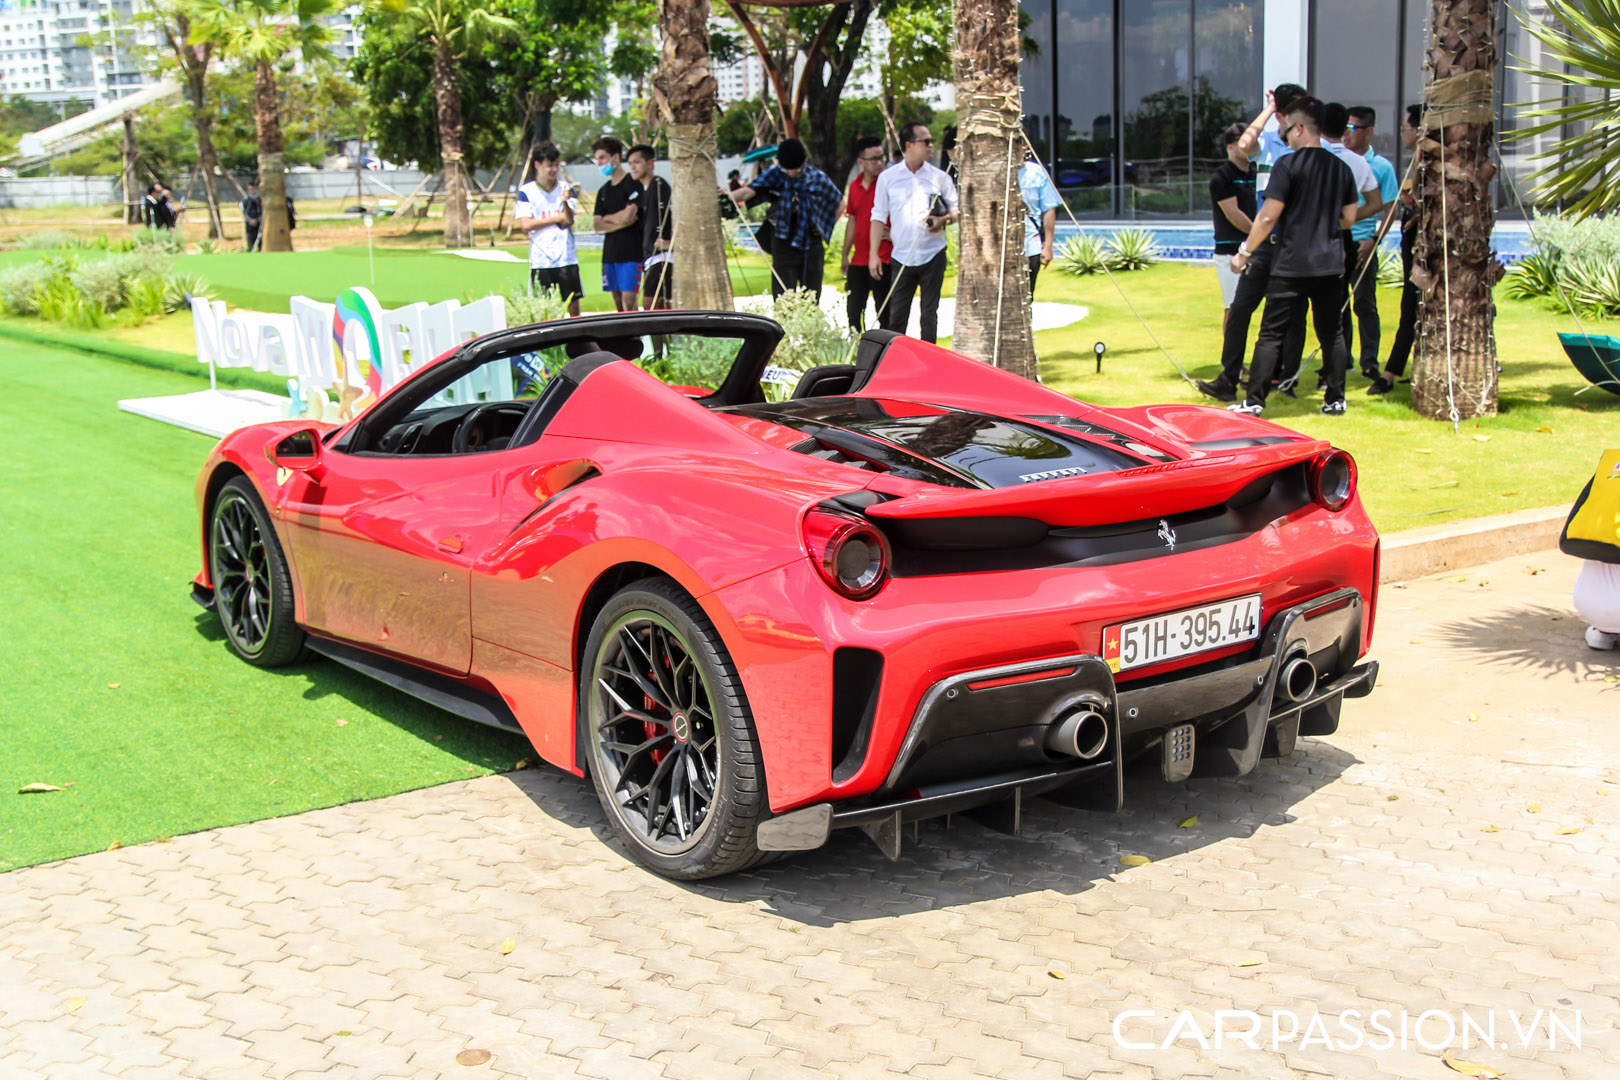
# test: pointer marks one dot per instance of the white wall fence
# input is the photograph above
(28, 192)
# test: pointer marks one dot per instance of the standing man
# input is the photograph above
(545, 210)
(1358, 134)
(912, 205)
(804, 212)
(1264, 148)
(159, 214)
(859, 282)
(1310, 200)
(618, 208)
(657, 202)
(1406, 332)
(1231, 198)
(252, 215)
(1335, 126)
(1041, 204)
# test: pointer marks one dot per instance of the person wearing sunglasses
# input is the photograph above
(913, 203)
(859, 280)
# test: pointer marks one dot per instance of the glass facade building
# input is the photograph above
(1126, 99)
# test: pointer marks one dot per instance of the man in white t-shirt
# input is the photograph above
(911, 206)
(545, 210)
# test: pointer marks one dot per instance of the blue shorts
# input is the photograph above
(621, 277)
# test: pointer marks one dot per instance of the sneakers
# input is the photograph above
(1247, 408)
(1216, 390)
(1333, 408)
(1380, 385)
(1597, 639)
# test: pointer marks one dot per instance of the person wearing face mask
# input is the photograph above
(618, 209)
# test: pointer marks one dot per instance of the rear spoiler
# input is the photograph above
(1151, 491)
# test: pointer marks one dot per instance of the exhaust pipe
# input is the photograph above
(1082, 733)
(1298, 679)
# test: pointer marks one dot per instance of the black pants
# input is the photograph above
(1364, 308)
(796, 268)
(1406, 332)
(1251, 290)
(1287, 299)
(1034, 272)
(909, 280)
(860, 284)
(252, 237)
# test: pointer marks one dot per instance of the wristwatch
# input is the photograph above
(1244, 249)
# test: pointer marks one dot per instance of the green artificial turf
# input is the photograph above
(119, 689)
(1539, 451)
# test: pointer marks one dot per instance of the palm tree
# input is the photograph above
(264, 32)
(992, 279)
(685, 89)
(450, 28)
(172, 20)
(1454, 369)
(1580, 59)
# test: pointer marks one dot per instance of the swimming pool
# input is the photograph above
(1192, 242)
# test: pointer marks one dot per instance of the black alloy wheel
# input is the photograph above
(670, 742)
(252, 588)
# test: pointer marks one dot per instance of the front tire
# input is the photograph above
(669, 737)
(252, 587)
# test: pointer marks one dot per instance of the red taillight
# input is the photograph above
(1332, 479)
(851, 555)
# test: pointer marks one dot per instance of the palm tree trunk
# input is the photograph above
(1454, 369)
(688, 89)
(992, 278)
(457, 222)
(272, 160)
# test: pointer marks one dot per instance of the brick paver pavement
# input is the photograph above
(1397, 865)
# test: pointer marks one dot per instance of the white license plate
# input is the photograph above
(1181, 633)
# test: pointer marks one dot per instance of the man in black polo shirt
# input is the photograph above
(1231, 197)
(1311, 198)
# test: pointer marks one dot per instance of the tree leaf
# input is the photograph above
(1134, 860)
(1568, 830)
(34, 789)
(1248, 963)
(74, 1004)
(1490, 828)
(1473, 718)
(523, 763)
(472, 1057)
(1469, 1068)
(112, 686)
(115, 845)
(342, 723)
(1482, 438)
(1189, 823)
(1058, 975)
(1533, 808)
(508, 945)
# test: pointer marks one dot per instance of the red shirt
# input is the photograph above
(859, 210)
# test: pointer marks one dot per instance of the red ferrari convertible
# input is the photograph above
(915, 585)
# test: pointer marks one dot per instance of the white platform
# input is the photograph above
(210, 412)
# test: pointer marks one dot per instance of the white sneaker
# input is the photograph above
(1597, 639)
(1246, 408)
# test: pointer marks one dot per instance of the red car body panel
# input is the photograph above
(480, 567)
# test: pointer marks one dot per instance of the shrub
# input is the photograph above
(178, 289)
(146, 297)
(163, 240)
(103, 281)
(1533, 277)
(1132, 249)
(692, 361)
(1389, 268)
(810, 338)
(60, 301)
(47, 240)
(1592, 238)
(524, 306)
(209, 247)
(19, 287)
(1593, 285)
(1083, 254)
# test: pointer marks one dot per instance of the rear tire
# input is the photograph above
(669, 737)
(252, 587)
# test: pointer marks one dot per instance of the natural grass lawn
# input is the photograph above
(118, 687)
(1538, 452)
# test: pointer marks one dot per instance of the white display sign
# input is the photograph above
(337, 358)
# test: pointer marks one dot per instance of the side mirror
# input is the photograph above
(301, 452)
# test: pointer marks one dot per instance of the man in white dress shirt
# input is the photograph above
(913, 203)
